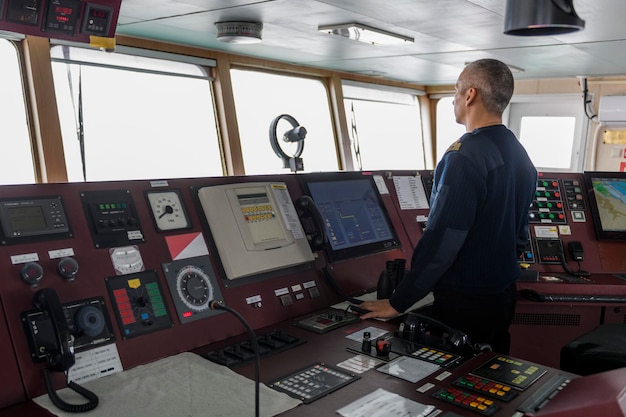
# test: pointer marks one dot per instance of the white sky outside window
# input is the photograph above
(385, 128)
(548, 140)
(448, 130)
(260, 98)
(551, 128)
(17, 162)
(137, 125)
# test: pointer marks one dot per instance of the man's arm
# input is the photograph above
(460, 190)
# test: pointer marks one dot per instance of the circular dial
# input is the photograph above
(126, 260)
(168, 210)
(194, 288)
(68, 268)
(32, 273)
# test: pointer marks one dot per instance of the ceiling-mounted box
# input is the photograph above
(612, 111)
(74, 20)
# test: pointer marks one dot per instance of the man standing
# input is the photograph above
(478, 221)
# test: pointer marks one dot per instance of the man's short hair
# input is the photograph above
(494, 82)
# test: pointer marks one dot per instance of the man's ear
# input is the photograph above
(470, 96)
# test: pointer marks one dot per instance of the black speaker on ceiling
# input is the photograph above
(541, 17)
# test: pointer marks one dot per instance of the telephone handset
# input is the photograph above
(577, 253)
(60, 355)
(317, 236)
(576, 250)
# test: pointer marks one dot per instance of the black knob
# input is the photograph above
(68, 268)
(366, 344)
(31, 273)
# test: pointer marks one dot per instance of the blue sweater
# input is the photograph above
(478, 221)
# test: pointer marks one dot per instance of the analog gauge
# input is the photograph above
(194, 288)
(168, 210)
(126, 260)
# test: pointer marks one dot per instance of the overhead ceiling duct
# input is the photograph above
(541, 17)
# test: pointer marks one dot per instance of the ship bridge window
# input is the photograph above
(135, 114)
(17, 164)
(260, 97)
(551, 128)
(448, 130)
(385, 127)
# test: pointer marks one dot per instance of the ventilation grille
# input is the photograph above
(535, 319)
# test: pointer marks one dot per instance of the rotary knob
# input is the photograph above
(68, 268)
(31, 273)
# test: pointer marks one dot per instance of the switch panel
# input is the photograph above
(547, 206)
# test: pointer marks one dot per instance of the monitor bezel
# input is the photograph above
(601, 233)
(367, 249)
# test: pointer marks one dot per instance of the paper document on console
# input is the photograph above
(381, 403)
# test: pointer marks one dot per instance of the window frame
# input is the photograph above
(556, 105)
(144, 61)
(380, 93)
(17, 42)
(321, 78)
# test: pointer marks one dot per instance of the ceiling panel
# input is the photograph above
(447, 34)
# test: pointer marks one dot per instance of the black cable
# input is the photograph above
(567, 269)
(92, 399)
(215, 305)
(355, 137)
(335, 286)
(586, 100)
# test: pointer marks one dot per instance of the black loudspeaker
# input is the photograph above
(541, 17)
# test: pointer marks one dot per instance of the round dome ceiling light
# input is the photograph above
(239, 32)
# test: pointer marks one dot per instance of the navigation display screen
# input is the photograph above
(27, 218)
(607, 195)
(355, 219)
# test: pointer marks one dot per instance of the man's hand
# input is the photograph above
(378, 309)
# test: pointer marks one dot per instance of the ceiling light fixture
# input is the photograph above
(362, 33)
(541, 17)
(239, 32)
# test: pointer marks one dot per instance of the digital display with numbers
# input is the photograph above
(96, 20)
(98, 13)
(61, 17)
(83, 21)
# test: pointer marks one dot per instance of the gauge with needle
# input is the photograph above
(168, 210)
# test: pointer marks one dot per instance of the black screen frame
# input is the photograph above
(601, 232)
(356, 251)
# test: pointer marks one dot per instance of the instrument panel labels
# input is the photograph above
(26, 257)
